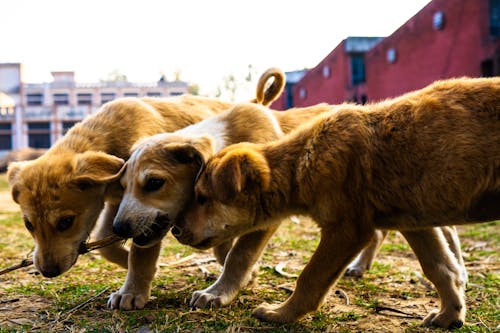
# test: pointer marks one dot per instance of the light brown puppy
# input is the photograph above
(62, 193)
(410, 164)
(159, 176)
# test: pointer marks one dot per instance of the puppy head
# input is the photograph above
(158, 181)
(227, 198)
(60, 199)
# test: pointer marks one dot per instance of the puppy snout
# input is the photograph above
(50, 271)
(123, 229)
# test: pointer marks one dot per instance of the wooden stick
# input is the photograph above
(86, 247)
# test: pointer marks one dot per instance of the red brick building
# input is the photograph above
(447, 38)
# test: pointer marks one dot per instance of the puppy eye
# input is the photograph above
(28, 224)
(153, 184)
(201, 199)
(65, 223)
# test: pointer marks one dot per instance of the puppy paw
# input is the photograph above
(355, 271)
(443, 320)
(206, 298)
(273, 313)
(127, 301)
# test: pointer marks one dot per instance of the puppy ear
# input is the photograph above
(197, 152)
(266, 96)
(12, 174)
(239, 170)
(93, 168)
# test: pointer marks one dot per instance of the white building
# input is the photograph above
(36, 115)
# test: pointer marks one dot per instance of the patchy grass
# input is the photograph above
(76, 301)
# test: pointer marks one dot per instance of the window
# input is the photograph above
(131, 94)
(438, 20)
(39, 135)
(34, 99)
(176, 93)
(107, 97)
(66, 125)
(391, 55)
(153, 94)
(326, 72)
(5, 136)
(495, 17)
(61, 99)
(302, 93)
(357, 69)
(5, 141)
(84, 99)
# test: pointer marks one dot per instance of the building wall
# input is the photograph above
(40, 122)
(425, 54)
(327, 82)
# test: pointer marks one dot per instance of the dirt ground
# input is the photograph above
(393, 297)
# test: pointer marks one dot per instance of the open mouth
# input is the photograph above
(156, 231)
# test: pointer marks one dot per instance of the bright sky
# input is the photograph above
(203, 39)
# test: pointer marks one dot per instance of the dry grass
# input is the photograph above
(76, 301)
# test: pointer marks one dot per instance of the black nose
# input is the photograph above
(50, 271)
(123, 229)
(176, 231)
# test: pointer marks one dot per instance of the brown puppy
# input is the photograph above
(62, 193)
(411, 163)
(159, 176)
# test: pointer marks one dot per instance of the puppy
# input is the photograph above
(62, 193)
(159, 176)
(410, 164)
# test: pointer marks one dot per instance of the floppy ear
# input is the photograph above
(267, 96)
(239, 170)
(198, 151)
(12, 173)
(93, 168)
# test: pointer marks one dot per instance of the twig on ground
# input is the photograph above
(86, 247)
(379, 309)
(279, 269)
(13, 300)
(23, 263)
(343, 294)
(179, 262)
(63, 316)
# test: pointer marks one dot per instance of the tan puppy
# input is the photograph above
(159, 176)
(410, 164)
(62, 193)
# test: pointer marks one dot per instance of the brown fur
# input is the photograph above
(62, 193)
(175, 159)
(429, 158)
(71, 179)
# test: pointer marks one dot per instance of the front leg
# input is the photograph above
(443, 269)
(335, 250)
(237, 270)
(114, 252)
(364, 260)
(136, 290)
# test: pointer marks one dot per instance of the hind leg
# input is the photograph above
(364, 260)
(114, 252)
(451, 235)
(443, 270)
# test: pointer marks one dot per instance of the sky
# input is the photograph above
(202, 40)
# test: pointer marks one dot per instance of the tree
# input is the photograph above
(115, 76)
(233, 86)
